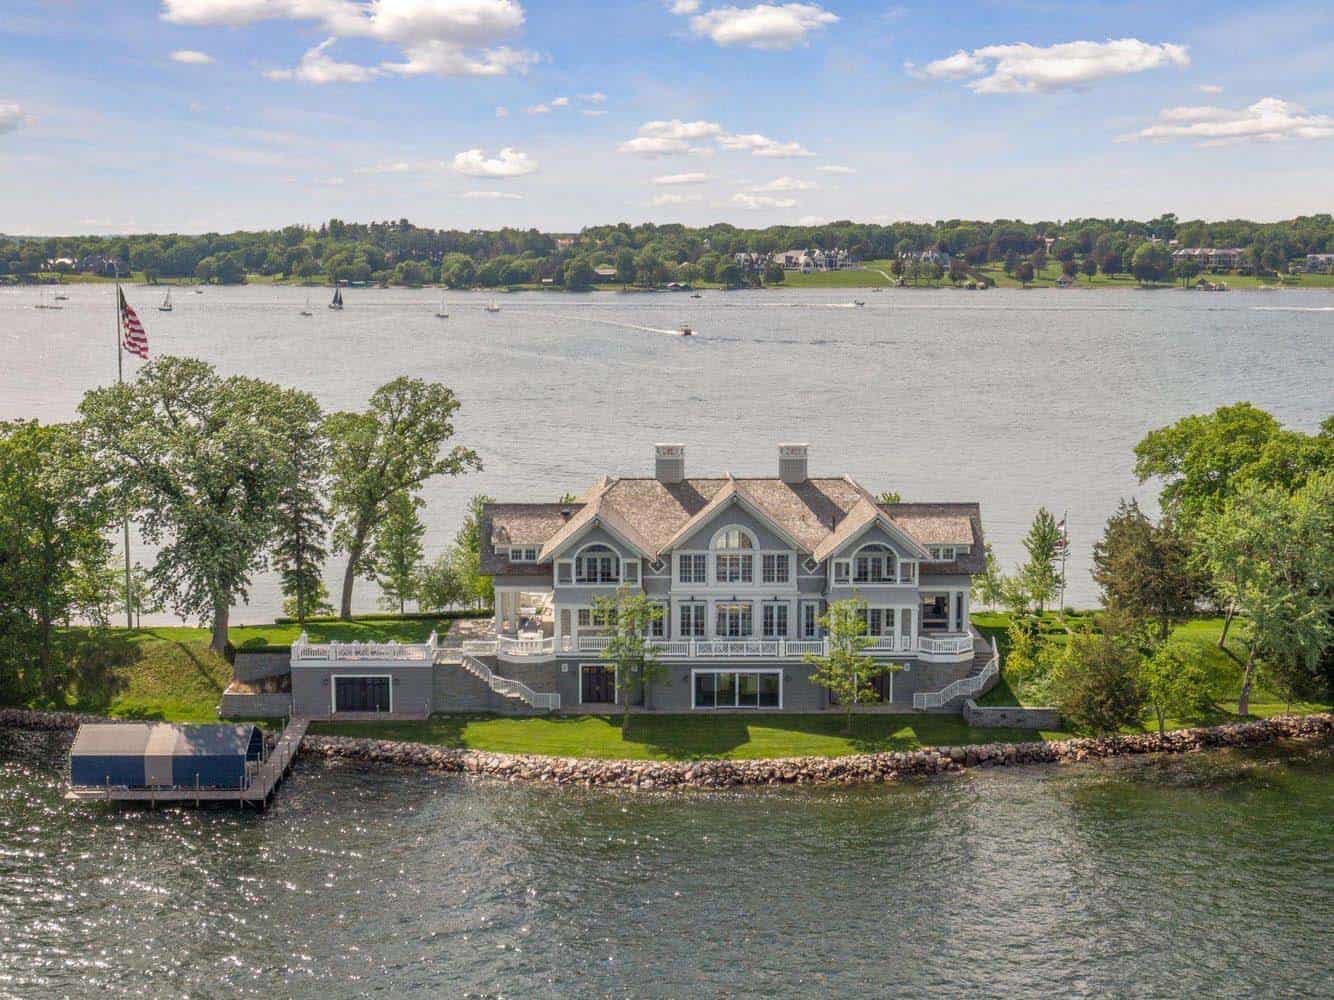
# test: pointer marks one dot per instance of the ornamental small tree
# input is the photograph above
(1175, 683)
(845, 671)
(988, 586)
(1096, 683)
(630, 615)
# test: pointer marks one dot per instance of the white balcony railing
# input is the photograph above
(945, 644)
(964, 687)
(303, 650)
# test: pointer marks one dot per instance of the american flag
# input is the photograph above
(132, 336)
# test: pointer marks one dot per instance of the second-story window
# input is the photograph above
(874, 564)
(774, 568)
(597, 564)
(734, 560)
(693, 568)
(692, 621)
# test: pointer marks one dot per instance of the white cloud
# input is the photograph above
(502, 112)
(667, 198)
(317, 66)
(561, 102)
(760, 145)
(596, 97)
(329, 181)
(682, 7)
(1268, 120)
(743, 200)
(494, 195)
(443, 37)
(1209, 88)
(1024, 68)
(539, 109)
(787, 184)
(669, 138)
(398, 167)
(593, 112)
(834, 168)
(764, 26)
(507, 163)
(191, 57)
(11, 118)
(695, 178)
(676, 138)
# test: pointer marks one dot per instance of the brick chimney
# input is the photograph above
(792, 463)
(669, 463)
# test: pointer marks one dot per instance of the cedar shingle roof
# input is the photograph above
(654, 513)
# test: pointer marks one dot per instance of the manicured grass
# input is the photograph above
(848, 278)
(685, 737)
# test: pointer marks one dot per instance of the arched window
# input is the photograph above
(874, 563)
(733, 561)
(597, 564)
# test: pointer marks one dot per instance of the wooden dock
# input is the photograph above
(257, 791)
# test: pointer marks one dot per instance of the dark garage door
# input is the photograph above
(361, 694)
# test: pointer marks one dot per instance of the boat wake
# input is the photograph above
(604, 322)
(1293, 309)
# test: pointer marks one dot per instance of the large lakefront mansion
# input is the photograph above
(743, 568)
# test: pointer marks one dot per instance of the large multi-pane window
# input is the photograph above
(773, 621)
(879, 621)
(810, 620)
(597, 564)
(874, 564)
(774, 568)
(733, 558)
(595, 618)
(692, 621)
(734, 621)
(692, 568)
(738, 689)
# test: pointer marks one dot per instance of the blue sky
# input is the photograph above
(195, 115)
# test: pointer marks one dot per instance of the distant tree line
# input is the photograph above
(648, 254)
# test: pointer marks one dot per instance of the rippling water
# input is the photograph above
(1208, 875)
(1012, 398)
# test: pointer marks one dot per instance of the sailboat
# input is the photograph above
(491, 307)
(306, 311)
(166, 303)
(442, 312)
(337, 302)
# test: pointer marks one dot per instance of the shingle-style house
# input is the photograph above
(743, 567)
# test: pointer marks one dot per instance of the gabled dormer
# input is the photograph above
(869, 550)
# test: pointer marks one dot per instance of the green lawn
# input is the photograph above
(685, 737)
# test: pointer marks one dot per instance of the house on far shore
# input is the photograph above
(604, 273)
(743, 568)
(1212, 258)
(1319, 263)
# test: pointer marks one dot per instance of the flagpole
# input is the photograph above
(125, 517)
(1065, 551)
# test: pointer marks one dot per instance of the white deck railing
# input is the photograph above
(304, 650)
(964, 687)
(508, 686)
(945, 644)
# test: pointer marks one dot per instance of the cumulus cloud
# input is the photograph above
(764, 26)
(11, 118)
(540, 109)
(1268, 120)
(671, 179)
(442, 37)
(676, 138)
(1026, 69)
(191, 57)
(317, 66)
(508, 162)
(596, 97)
(396, 167)
(760, 145)
(494, 195)
(561, 102)
(682, 7)
(668, 198)
(1209, 88)
(834, 168)
(502, 111)
(787, 184)
(743, 200)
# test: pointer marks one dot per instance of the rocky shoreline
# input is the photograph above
(849, 770)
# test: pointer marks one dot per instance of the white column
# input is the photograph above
(964, 625)
(952, 625)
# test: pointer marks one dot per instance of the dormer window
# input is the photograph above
(734, 559)
(943, 553)
(597, 564)
(874, 564)
(525, 554)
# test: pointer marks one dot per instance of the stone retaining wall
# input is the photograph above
(257, 666)
(855, 769)
(1011, 716)
(254, 706)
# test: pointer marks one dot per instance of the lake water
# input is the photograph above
(1203, 875)
(1015, 399)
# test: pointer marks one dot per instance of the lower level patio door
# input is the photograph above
(362, 694)
(597, 684)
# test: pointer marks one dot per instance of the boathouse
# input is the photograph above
(163, 755)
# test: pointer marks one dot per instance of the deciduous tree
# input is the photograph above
(630, 615)
(1144, 570)
(845, 670)
(1040, 576)
(1096, 682)
(396, 550)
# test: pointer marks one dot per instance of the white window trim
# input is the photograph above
(736, 670)
(615, 682)
(333, 689)
(526, 553)
(883, 550)
(620, 568)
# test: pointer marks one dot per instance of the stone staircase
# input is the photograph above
(982, 676)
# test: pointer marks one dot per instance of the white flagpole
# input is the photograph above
(1065, 551)
(125, 517)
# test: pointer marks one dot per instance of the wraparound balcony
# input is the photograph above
(935, 648)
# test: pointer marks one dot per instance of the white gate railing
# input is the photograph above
(964, 687)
